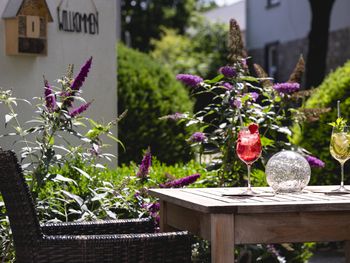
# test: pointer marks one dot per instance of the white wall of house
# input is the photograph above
(224, 13)
(287, 21)
(290, 20)
(340, 15)
(23, 74)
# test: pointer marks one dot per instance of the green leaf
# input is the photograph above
(214, 80)
(116, 139)
(61, 178)
(339, 124)
(82, 172)
(285, 130)
(249, 78)
(52, 141)
(76, 198)
(9, 117)
(266, 141)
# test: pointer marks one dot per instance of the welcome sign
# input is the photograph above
(77, 21)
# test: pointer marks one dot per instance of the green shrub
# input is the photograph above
(201, 51)
(315, 136)
(149, 91)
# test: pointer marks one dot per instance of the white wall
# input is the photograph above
(288, 21)
(223, 14)
(340, 15)
(24, 73)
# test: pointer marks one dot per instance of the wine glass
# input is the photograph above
(340, 150)
(248, 149)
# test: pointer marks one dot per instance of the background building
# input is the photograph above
(277, 33)
(80, 29)
(223, 14)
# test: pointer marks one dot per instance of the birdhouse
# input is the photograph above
(26, 27)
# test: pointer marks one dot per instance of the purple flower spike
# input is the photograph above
(176, 116)
(254, 96)
(145, 165)
(181, 182)
(236, 103)
(79, 109)
(50, 98)
(198, 137)
(227, 86)
(80, 78)
(189, 80)
(153, 207)
(228, 72)
(314, 162)
(287, 87)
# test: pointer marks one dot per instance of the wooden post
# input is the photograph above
(163, 224)
(222, 238)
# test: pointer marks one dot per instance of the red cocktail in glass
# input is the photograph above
(248, 149)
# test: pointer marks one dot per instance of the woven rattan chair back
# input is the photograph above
(19, 205)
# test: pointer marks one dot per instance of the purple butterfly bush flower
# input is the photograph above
(228, 72)
(145, 165)
(254, 96)
(189, 80)
(95, 149)
(236, 103)
(153, 207)
(80, 78)
(178, 183)
(287, 87)
(176, 116)
(153, 210)
(198, 137)
(50, 98)
(272, 249)
(79, 109)
(227, 86)
(314, 162)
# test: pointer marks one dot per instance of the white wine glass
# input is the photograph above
(340, 150)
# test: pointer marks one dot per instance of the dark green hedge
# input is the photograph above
(148, 91)
(315, 136)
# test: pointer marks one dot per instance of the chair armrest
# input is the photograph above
(122, 226)
(148, 248)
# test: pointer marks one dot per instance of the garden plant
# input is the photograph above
(65, 160)
(240, 99)
(64, 155)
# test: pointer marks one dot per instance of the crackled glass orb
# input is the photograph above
(287, 172)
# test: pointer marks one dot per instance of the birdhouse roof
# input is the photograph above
(15, 8)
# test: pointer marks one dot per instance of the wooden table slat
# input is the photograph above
(211, 199)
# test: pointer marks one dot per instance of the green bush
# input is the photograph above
(201, 51)
(149, 91)
(315, 136)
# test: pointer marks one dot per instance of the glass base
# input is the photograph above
(341, 190)
(249, 192)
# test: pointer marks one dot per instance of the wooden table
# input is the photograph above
(230, 220)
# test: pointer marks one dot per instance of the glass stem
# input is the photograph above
(249, 185)
(342, 175)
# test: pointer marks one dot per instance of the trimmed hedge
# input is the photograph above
(149, 91)
(315, 136)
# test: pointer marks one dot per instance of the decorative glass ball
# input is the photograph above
(287, 172)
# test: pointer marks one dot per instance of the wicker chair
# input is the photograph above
(105, 241)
